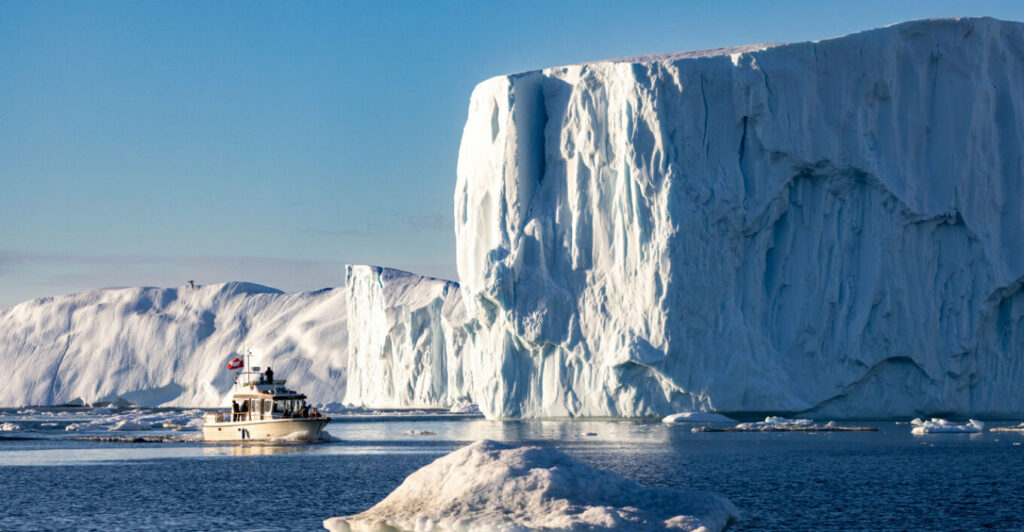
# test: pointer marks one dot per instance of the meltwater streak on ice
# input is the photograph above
(830, 228)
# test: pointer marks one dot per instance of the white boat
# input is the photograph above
(263, 409)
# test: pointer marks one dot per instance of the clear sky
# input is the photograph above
(149, 143)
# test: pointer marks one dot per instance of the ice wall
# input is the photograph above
(405, 335)
(167, 346)
(830, 227)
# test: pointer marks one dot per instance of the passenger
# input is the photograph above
(305, 410)
(270, 375)
(234, 410)
(242, 411)
(316, 413)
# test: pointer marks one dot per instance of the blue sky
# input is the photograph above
(149, 143)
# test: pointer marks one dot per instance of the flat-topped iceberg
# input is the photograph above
(489, 486)
(937, 425)
(828, 227)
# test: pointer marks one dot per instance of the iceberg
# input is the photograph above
(491, 486)
(937, 425)
(9, 427)
(169, 346)
(404, 339)
(828, 228)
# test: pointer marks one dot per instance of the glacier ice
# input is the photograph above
(169, 346)
(404, 334)
(829, 228)
(491, 486)
(824, 229)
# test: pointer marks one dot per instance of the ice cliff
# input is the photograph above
(169, 346)
(405, 336)
(828, 227)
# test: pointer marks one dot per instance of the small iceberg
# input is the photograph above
(937, 425)
(9, 427)
(1013, 428)
(492, 486)
(697, 417)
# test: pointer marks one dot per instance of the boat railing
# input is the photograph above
(224, 417)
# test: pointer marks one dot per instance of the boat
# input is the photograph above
(263, 409)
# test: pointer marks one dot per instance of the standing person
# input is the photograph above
(270, 375)
(234, 410)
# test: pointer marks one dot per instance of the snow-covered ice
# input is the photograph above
(697, 417)
(169, 346)
(492, 486)
(937, 425)
(830, 227)
(404, 335)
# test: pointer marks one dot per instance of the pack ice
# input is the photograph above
(831, 228)
(169, 346)
(491, 486)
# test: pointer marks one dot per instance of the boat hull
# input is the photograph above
(298, 430)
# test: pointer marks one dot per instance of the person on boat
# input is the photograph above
(270, 375)
(305, 410)
(234, 410)
(242, 411)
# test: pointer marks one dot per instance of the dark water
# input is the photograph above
(887, 480)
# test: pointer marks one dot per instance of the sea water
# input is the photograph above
(52, 478)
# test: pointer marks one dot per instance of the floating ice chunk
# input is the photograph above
(697, 417)
(491, 486)
(74, 427)
(9, 427)
(941, 425)
(1014, 428)
(776, 423)
(781, 424)
(465, 408)
(127, 424)
(415, 432)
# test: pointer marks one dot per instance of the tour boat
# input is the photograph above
(263, 409)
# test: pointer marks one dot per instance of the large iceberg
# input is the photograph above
(491, 486)
(831, 228)
(169, 346)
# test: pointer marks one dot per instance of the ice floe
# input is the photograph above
(935, 425)
(492, 486)
(781, 424)
(1013, 428)
(697, 417)
(9, 427)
